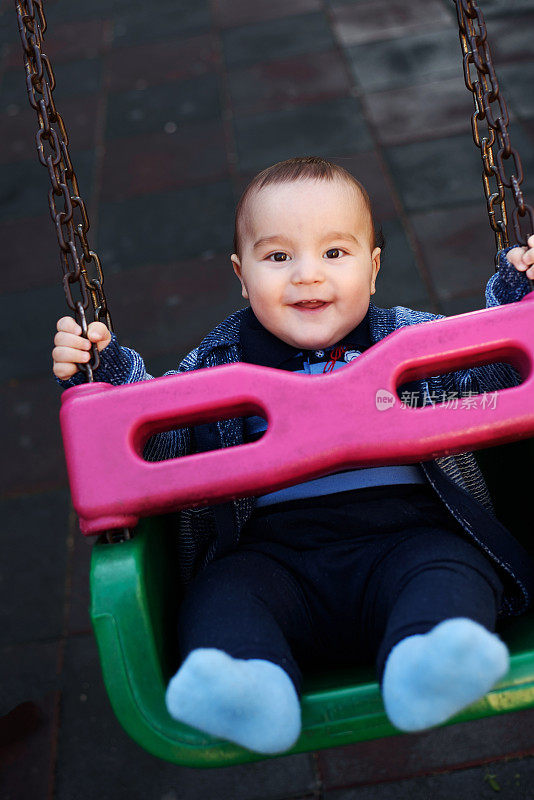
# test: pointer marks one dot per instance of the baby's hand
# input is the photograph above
(72, 348)
(523, 258)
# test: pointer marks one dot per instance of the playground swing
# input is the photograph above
(132, 571)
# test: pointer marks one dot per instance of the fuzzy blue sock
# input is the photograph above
(251, 702)
(430, 677)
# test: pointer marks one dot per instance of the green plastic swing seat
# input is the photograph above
(133, 608)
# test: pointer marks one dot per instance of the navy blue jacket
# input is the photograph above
(456, 479)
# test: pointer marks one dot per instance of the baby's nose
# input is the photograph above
(308, 272)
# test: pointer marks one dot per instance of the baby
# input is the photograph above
(407, 565)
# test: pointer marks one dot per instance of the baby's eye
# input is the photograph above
(334, 252)
(278, 256)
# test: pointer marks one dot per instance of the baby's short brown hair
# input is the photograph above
(300, 168)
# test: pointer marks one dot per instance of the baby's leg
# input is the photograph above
(439, 653)
(239, 679)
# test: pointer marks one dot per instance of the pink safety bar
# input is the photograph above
(313, 429)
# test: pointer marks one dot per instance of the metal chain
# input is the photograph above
(493, 139)
(40, 81)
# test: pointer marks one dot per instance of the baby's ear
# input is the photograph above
(375, 256)
(236, 264)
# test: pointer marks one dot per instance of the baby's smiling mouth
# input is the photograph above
(311, 304)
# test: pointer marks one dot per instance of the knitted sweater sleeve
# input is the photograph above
(123, 365)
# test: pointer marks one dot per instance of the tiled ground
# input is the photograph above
(170, 108)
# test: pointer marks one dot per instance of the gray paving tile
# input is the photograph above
(176, 156)
(146, 111)
(229, 13)
(424, 111)
(13, 90)
(509, 781)
(184, 223)
(292, 81)
(276, 39)
(20, 267)
(32, 567)
(24, 355)
(516, 82)
(462, 305)
(19, 126)
(73, 78)
(409, 756)
(419, 58)
(93, 750)
(67, 41)
(522, 138)
(25, 185)
(527, 127)
(388, 19)
(97, 759)
(78, 618)
(63, 11)
(434, 174)
(28, 673)
(458, 247)
(496, 8)
(136, 23)
(28, 676)
(9, 31)
(399, 282)
(177, 314)
(510, 36)
(77, 77)
(333, 128)
(159, 62)
(32, 451)
(134, 20)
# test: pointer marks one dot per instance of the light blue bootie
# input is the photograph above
(251, 702)
(430, 677)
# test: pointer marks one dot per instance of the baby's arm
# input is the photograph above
(118, 366)
(507, 285)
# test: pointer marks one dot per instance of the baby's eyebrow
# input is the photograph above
(340, 235)
(269, 239)
(263, 240)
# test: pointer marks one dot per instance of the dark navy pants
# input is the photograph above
(339, 580)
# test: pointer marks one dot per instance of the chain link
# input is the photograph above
(489, 123)
(40, 83)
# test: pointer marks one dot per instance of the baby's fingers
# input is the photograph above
(67, 359)
(72, 349)
(99, 333)
(522, 258)
(69, 325)
(70, 355)
(71, 340)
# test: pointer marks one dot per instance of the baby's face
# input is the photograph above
(308, 241)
